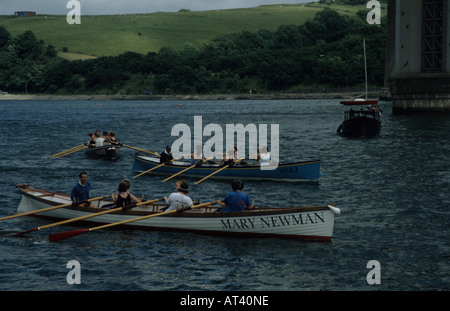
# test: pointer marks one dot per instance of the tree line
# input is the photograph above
(326, 51)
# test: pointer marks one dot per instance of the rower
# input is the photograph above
(263, 156)
(98, 140)
(166, 156)
(236, 200)
(124, 197)
(112, 137)
(106, 137)
(91, 141)
(197, 156)
(178, 200)
(80, 192)
(230, 157)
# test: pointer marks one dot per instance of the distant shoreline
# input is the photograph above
(318, 95)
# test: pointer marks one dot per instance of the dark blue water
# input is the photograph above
(393, 192)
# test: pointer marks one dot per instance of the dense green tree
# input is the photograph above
(288, 36)
(5, 37)
(326, 50)
(56, 74)
(27, 46)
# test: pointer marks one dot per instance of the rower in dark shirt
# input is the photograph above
(124, 197)
(166, 156)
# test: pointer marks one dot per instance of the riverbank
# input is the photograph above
(315, 95)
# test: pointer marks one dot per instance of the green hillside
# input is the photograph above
(112, 35)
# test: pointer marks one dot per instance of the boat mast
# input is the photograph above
(365, 63)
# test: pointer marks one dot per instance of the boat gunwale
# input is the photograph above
(264, 211)
(206, 167)
(364, 117)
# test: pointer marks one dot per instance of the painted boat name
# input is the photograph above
(273, 221)
(292, 169)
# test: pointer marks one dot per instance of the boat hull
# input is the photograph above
(107, 152)
(309, 223)
(360, 102)
(360, 127)
(309, 170)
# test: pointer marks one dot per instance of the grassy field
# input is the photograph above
(110, 35)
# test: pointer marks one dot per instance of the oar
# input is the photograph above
(82, 218)
(186, 169)
(67, 153)
(154, 168)
(221, 169)
(139, 149)
(68, 150)
(51, 208)
(68, 234)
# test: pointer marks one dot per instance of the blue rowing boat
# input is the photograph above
(299, 171)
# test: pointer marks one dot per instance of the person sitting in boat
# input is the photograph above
(378, 110)
(230, 157)
(99, 140)
(166, 156)
(124, 197)
(263, 156)
(91, 141)
(236, 200)
(98, 133)
(112, 138)
(80, 192)
(179, 199)
(106, 137)
(197, 156)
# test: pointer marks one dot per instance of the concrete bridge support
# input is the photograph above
(418, 55)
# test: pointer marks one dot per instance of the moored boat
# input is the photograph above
(309, 223)
(308, 170)
(362, 122)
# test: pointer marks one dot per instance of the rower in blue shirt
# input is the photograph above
(236, 200)
(80, 192)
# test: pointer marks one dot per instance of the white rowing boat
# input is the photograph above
(310, 223)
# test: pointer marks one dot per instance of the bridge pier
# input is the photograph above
(418, 55)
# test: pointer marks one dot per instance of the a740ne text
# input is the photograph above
(238, 300)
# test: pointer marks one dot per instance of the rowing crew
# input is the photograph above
(229, 158)
(234, 201)
(97, 139)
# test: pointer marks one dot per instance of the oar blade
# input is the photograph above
(20, 233)
(66, 235)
